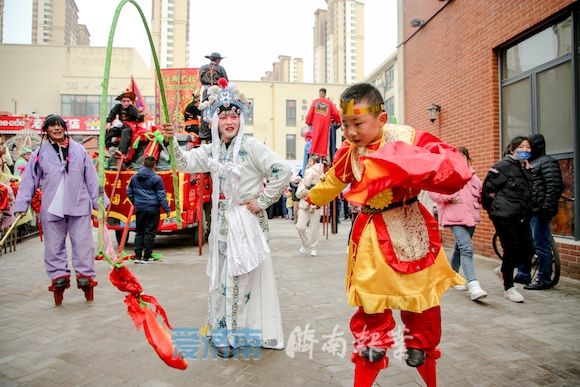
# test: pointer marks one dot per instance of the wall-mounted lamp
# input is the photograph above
(417, 23)
(433, 111)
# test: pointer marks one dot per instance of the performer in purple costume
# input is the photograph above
(62, 169)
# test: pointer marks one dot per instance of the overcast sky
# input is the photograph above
(250, 41)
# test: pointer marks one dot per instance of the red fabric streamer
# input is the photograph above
(125, 281)
(142, 316)
(36, 201)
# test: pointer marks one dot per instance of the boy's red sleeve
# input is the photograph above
(429, 164)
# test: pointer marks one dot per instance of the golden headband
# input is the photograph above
(348, 109)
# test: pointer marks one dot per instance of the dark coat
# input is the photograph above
(507, 191)
(147, 192)
(209, 74)
(546, 179)
(293, 189)
(131, 114)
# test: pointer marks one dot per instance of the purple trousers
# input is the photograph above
(79, 229)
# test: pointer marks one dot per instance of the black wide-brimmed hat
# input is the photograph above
(126, 94)
(215, 55)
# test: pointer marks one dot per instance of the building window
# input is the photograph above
(249, 116)
(90, 105)
(93, 105)
(389, 78)
(390, 106)
(290, 112)
(547, 45)
(290, 147)
(537, 94)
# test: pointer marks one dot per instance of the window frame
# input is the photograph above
(291, 119)
(532, 74)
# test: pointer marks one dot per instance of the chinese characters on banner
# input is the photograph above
(120, 204)
(76, 125)
(179, 86)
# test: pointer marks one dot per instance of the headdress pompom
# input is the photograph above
(223, 83)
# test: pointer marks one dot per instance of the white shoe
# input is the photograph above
(475, 291)
(498, 272)
(513, 295)
(460, 287)
(302, 250)
(313, 253)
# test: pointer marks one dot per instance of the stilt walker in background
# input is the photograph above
(62, 168)
(395, 259)
(324, 117)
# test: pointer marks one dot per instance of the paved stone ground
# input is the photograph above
(492, 343)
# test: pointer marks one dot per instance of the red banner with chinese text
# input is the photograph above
(89, 125)
(179, 86)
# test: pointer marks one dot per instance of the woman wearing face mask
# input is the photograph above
(506, 196)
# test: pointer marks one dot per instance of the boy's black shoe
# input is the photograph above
(415, 357)
(373, 354)
(538, 285)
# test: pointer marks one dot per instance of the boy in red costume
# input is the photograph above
(395, 260)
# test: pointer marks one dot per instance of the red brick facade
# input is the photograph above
(452, 61)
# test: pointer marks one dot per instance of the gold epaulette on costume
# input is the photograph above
(395, 132)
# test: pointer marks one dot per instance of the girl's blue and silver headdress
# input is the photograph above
(223, 97)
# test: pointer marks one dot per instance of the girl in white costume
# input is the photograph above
(243, 298)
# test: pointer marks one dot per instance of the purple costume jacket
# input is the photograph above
(81, 191)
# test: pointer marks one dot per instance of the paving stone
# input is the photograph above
(489, 343)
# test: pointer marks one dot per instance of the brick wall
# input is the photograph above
(452, 61)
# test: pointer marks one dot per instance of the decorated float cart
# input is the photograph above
(190, 197)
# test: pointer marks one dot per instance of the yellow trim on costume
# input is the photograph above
(327, 189)
(123, 217)
(373, 285)
(348, 108)
(381, 200)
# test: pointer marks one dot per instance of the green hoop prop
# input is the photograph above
(103, 115)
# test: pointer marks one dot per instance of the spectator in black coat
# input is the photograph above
(147, 193)
(546, 190)
(506, 195)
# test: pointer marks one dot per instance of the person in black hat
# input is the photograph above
(116, 127)
(211, 72)
(209, 75)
